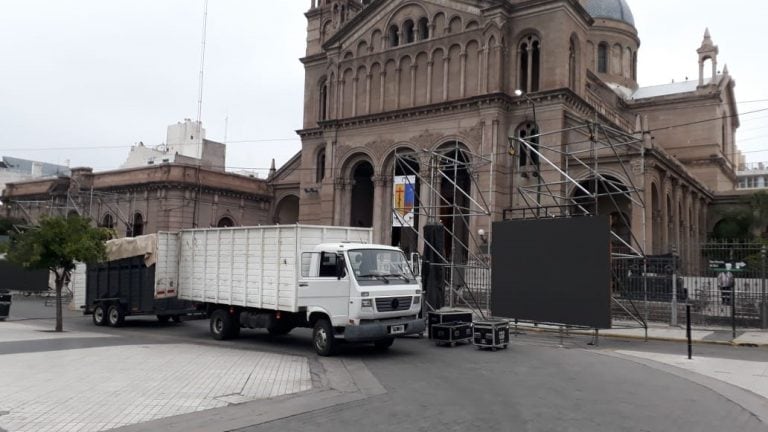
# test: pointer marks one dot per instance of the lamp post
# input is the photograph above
(520, 93)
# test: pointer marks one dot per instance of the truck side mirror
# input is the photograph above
(341, 266)
(415, 264)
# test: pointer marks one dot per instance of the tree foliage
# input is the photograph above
(57, 244)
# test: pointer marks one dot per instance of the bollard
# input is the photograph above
(688, 330)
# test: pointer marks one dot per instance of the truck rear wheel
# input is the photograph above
(322, 338)
(115, 316)
(99, 315)
(223, 325)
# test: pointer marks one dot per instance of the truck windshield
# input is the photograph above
(371, 265)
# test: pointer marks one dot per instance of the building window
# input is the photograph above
(528, 132)
(408, 32)
(394, 36)
(225, 222)
(107, 221)
(320, 174)
(572, 64)
(138, 225)
(423, 29)
(602, 58)
(530, 62)
(323, 101)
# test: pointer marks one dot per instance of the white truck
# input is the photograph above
(330, 279)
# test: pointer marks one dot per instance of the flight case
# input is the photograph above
(491, 334)
(450, 333)
(446, 316)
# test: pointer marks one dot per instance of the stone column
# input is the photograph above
(379, 206)
(397, 87)
(340, 191)
(463, 74)
(446, 61)
(354, 96)
(368, 79)
(382, 87)
(413, 84)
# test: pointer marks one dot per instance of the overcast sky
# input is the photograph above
(83, 80)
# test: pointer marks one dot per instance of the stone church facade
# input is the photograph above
(387, 77)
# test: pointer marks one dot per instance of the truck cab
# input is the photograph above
(369, 292)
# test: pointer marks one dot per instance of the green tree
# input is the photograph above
(758, 202)
(56, 244)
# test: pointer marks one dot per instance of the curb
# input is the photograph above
(643, 338)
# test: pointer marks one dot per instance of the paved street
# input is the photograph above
(535, 385)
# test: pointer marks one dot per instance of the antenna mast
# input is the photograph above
(202, 68)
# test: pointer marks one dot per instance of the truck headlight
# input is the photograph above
(417, 300)
(366, 303)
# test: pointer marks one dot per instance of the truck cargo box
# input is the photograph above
(255, 267)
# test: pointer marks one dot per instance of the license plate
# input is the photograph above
(397, 329)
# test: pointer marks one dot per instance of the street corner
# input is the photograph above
(101, 388)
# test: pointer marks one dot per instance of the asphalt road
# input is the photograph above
(535, 385)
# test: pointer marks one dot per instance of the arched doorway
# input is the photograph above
(287, 211)
(405, 188)
(361, 206)
(455, 189)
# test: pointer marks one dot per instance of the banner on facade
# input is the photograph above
(404, 197)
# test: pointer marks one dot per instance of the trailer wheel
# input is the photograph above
(99, 315)
(322, 338)
(384, 344)
(223, 326)
(163, 318)
(115, 316)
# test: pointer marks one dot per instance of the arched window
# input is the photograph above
(530, 62)
(408, 33)
(320, 173)
(572, 65)
(108, 221)
(423, 29)
(323, 108)
(528, 132)
(393, 36)
(138, 225)
(602, 58)
(225, 222)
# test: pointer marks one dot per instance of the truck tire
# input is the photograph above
(223, 326)
(384, 344)
(99, 315)
(322, 338)
(163, 318)
(115, 316)
(176, 318)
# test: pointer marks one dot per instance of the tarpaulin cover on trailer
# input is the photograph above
(127, 247)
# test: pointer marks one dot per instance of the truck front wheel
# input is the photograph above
(322, 338)
(384, 344)
(223, 326)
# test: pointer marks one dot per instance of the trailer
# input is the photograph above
(330, 279)
(134, 281)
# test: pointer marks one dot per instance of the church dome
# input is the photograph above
(611, 9)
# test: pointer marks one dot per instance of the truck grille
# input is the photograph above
(392, 304)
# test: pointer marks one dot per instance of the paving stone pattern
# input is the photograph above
(95, 389)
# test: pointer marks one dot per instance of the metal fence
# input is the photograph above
(724, 283)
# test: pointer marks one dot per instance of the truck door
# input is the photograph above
(325, 287)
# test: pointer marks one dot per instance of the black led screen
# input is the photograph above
(553, 271)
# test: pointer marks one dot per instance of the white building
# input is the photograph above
(185, 143)
(752, 176)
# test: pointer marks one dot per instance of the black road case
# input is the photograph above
(491, 334)
(450, 333)
(446, 316)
